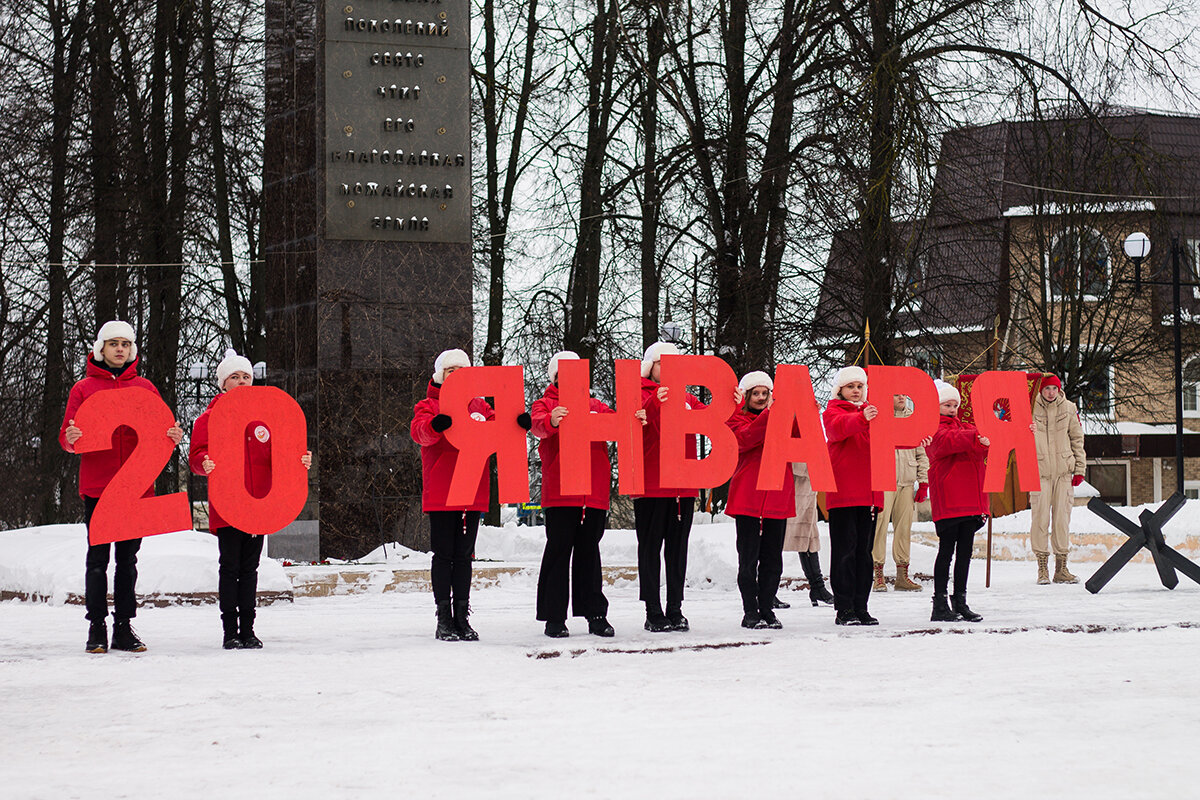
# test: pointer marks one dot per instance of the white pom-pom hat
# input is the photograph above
(655, 352)
(552, 367)
(946, 392)
(847, 375)
(449, 358)
(756, 378)
(115, 329)
(230, 364)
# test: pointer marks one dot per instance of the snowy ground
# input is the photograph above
(352, 696)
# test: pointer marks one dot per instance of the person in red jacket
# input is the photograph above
(113, 365)
(851, 508)
(452, 529)
(960, 506)
(574, 523)
(760, 517)
(238, 552)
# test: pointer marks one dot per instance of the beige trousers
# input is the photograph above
(897, 507)
(1054, 501)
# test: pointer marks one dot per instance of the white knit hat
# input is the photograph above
(847, 375)
(655, 352)
(230, 364)
(752, 379)
(552, 367)
(449, 358)
(946, 392)
(115, 329)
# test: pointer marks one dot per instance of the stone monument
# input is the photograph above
(367, 236)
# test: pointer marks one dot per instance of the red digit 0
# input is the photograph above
(122, 512)
(282, 417)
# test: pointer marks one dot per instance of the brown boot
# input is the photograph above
(1061, 573)
(880, 584)
(1043, 569)
(903, 584)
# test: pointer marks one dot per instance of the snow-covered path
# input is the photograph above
(353, 697)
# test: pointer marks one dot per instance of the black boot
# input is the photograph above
(678, 621)
(557, 630)
(125, 639)
(770, 620)
(865, 618)
(846, 617)
(817, 592)
(941, 610)
(753, 621)
(656, 620)
(446, 629)
(777, 603)
(462, 610)
(959, 603)
(598, 626)
(97, 637)
(231, 639)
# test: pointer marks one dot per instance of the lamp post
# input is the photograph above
(1137, 248)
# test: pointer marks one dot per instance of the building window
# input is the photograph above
(1078, 265)
(1191, 490)
(1111, 481)
(1191, 387)
(1096, 394)
(925, 360)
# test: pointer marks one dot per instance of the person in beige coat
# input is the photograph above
(801, 536)
(912, 467)
(1058, 436)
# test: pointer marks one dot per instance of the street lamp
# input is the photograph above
(1137, 248)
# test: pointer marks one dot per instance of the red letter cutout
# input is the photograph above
(122, 512)
(888, 431)
(795, 408)
(476, 441)
(677, 471)
(579, 429)
(1009, 434)
(282, 417)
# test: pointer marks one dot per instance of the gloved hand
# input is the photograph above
(1076, 480)
(524, 420)
(440, 422)
(922, 493)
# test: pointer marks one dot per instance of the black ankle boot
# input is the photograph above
(678, 621)
(864, 618)
(941, 610)
(598, 626)
(231, 640)
(447, 631)
(753, 621)
(817, 592)
(557, 630)
(462, 610)
(770, 620)
(125, 639)
(97, 641)
(846, 617)
(656, 620)
(959, 603)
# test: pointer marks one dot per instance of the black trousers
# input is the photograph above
(573, 536)
(452, 537)
(662, 523)
(95, 584)
(956, 537)
(851, 535)
(237, 577)
(760, 561)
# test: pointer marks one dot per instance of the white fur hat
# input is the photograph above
(946, 392)
(654, 353)
(230, 364)
(752, 379)
(449, 358)
(552, 367)
(847, 375)
(115, 329)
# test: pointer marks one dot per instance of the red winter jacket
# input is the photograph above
(97, 468)
(849, 436)
(956, 470)
(744, 498)
(258, 459)
(438, 456)
(547, 435)
(650, 435)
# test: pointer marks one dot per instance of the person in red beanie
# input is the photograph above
(113, 365)
(960, 506)
(239, 552)
(1058, 436)
(760, 517)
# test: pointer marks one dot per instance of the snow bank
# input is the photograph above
(48, 562)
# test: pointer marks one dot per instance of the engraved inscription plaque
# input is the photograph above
(397, 120)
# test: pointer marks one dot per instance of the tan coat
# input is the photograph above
(801, 535)
(1059, 438)
(912, 466)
